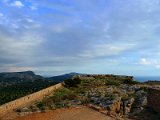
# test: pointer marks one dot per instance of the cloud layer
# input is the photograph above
(93, 36)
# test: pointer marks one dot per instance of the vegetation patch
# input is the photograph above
(12, 92)
(41, 106)
(73, 82)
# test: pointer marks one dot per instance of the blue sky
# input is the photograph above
(53, 37)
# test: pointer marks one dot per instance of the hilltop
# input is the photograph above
(115, 96)
(107, 93)
(10, 78)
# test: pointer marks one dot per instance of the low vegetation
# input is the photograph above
(41, 106)
(60, 98)
(12, 92)
(72, 82)
(152, 82)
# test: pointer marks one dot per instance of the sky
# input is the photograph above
(52, 37)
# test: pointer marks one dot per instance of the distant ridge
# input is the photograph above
(24, 76)
(19, 76)
(22, 72)
(61, 78)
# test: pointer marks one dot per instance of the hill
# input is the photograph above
(14, 85)
(61, 78)
(10, 78)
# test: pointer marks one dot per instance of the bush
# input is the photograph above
(152, 82)
(112, 82)
(52, 107)
(131, 82)
(85, 101)
(41, 106)
(72, 82)
(63, 94)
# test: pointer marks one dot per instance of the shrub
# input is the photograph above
(63, 94)
(85, 101)
(72, 82)
(41, 106)
(18, 110)
(111, 97)
(131, 82)
(112, 82)
(152, 82)
(52, 107)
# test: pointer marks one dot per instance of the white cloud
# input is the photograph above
(104, 50)
(20, 68)
(14, 68)
(29, 20)
(144, 61)
(15, 26)
(17, 4)
(5, 1)
(150, 62)
(17, 46)
(33, 7)
(1, 15)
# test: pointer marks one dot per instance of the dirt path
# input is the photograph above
(82, 113)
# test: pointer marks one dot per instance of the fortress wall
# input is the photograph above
(154, 99)
(28, 99)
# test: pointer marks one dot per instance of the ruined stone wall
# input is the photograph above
(28, 99)
(154, 99)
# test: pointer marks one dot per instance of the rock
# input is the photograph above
(76, 102)
(25, 109)
(130, 100)
(53, 107)
(115, 107)
(140, 101)
(34, 108)
(141, 98)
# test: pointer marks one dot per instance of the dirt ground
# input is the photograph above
(81, 113)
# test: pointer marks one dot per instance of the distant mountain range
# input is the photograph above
(14, 77)
(25, 76)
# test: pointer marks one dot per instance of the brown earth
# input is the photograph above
(81, 113)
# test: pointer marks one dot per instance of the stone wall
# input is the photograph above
(154, 99)
(28, 99)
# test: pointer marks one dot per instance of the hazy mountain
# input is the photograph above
(12, 77)
(61, 78)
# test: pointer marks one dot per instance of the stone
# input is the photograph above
(25, 109)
